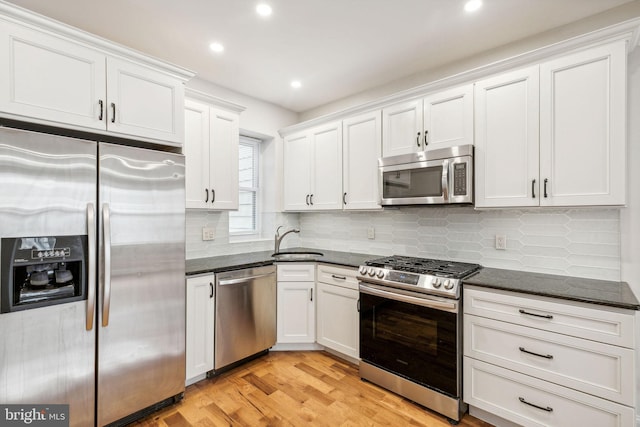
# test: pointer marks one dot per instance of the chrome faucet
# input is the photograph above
(279, 237)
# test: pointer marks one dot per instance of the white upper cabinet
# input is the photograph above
(583, 127)
(506, 142)
(448, 118)
(361, 148)
(51, 78)
(402, 128)
(554, 134)
(211, 150)
(313, 169)
(442, 119)
(61, 77)
(143, 102)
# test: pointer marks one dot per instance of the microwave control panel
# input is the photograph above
(460, 179)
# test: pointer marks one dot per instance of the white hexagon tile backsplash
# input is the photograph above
(576, 242)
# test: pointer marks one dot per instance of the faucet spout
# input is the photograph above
(279, 237)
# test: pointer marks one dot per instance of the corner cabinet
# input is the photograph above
(296, 318)
(63, 77)
(313, 169)
(211, 150)
(544, 361)
(554, 134)
(199, 326)
(442, 119)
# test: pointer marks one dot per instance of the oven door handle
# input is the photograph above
(429, 303)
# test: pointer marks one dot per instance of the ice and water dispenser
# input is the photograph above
(41, 271)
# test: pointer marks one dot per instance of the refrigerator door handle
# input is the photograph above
(106, 297)
(91, 282)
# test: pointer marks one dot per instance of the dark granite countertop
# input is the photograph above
(256, 259)
(602, 292)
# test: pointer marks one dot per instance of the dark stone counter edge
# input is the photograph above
(259, 259)
(559, 296)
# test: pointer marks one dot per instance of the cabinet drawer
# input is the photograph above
(600, 369)
(344, 277)
(598, 323)
(295, 272)
(511, 395)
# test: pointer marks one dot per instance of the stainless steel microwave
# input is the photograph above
(438, 177)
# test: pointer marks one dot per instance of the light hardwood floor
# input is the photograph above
(296, 389)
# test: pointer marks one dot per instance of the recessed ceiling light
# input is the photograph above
(472, 5)
(296, 84)
(216, 47)
(264, 9)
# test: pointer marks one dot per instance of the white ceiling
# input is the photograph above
(336, 48)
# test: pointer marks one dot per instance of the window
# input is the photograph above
(244, 221)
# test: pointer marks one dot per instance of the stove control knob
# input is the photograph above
(436, 282)
(448, 284)
(362, 270)
(372, 272)
(380, 274)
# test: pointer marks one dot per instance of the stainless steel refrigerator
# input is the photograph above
(92, 237)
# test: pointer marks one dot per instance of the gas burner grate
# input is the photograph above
(436, 267)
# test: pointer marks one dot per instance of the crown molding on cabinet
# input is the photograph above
(214, 100)
(21, 16)
(627, 30)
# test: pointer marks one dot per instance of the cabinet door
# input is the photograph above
(582, 127)
(296, 312)
(51, 79)
(326, 167)
(143, 102)
(200, 325)
(506, 139)
(361, 148)
(402, 128)
(196, 152)
(224, 136)
(448, 118)
(297, 176)
(338, 321)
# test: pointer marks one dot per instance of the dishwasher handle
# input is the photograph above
(242, 279)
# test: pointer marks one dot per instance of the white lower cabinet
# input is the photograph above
(296, 303)
(540, 361)
(530, 401)
(200, 326)
(337, 318)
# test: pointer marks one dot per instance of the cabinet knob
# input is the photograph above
(418, 139)
(533, 188)
(101, 104)
(546, 180)
(113, 112)
(426, 141)
(206, 199)
(344, 199)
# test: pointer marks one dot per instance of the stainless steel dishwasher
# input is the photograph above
(245, 314)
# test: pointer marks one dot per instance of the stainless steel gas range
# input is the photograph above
(411, 329)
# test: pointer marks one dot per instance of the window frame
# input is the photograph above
(248, 234)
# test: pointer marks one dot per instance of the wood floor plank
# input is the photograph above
(291, 389)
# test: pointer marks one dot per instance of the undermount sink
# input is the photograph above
(297, 256)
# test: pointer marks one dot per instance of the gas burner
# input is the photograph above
(430, 276)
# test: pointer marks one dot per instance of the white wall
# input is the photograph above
(262, 120)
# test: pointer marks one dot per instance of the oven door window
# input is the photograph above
(412, 183)
(415, 342)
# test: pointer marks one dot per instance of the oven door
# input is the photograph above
(416, 183)
(412, 336)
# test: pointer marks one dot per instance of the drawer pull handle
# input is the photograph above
(548, 409)
(338, 277)
(546, 356)
(544, 316)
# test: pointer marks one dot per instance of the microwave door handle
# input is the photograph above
(445, 180)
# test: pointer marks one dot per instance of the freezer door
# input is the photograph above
(141, 324)
(47, 355)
